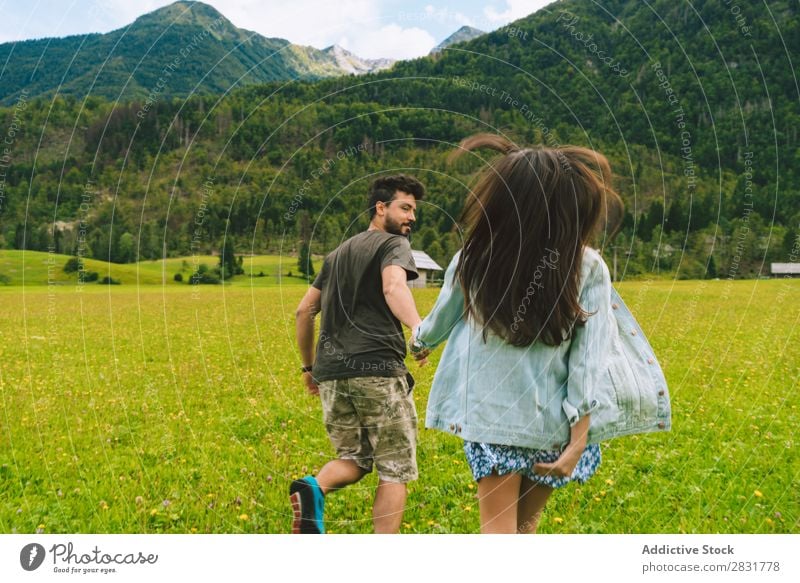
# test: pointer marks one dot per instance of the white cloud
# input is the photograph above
(446, 16)
(390, 41)
(356, 25)
(315, 23)
(307, 22)
(369, 28)
(514, 10)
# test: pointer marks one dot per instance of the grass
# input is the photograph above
(154, 409)
(33, 268)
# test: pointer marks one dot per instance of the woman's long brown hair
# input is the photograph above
(527, 221)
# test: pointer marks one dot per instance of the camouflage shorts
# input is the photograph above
(373, 420)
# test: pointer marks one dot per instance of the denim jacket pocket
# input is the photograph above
(636, 401)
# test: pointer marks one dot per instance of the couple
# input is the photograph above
(543, 359)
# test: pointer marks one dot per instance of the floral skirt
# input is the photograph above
(485, 458)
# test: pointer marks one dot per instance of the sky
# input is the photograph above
(397, 29)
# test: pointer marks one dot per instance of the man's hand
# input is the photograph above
(421, 357)
(310, 383)
(419, 353)
(304, 316)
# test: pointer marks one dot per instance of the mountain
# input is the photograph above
(707, 86)
(354, 64)
(463, 34)
(695, 106)
(177, 50)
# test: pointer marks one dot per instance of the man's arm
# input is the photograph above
(307, 310)
(398, 296)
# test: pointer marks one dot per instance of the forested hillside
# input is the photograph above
(696, 104)
(182, 49)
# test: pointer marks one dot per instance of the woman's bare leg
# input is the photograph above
(532, 499)
(497, 497)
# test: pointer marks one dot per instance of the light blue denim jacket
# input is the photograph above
(494, 392)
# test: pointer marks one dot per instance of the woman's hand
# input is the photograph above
(311, 384)
(568, 460)
(419, 353)
(563, 466)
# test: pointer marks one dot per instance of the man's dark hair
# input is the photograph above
(383, 189)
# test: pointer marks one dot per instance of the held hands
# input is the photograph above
(421, 356)
(568, 460)
(310, 383)
(419, 353)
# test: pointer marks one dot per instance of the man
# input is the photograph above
(359, 371)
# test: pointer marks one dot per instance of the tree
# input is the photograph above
(204, 275)
(125, 249)
(677, 219)
(269, 231)
(711, 270)
(150, 246)
(650, 220)
(72, 265)
(791, 244)
(98, 244)
(435, 251)
(227, 261)
(304, 262)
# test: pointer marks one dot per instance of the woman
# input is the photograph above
(543, 357)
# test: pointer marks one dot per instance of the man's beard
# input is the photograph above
(396, 228)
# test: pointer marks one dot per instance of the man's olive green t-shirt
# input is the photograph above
(359, 336)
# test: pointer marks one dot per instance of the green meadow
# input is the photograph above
(36, 268)
(149, 408)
